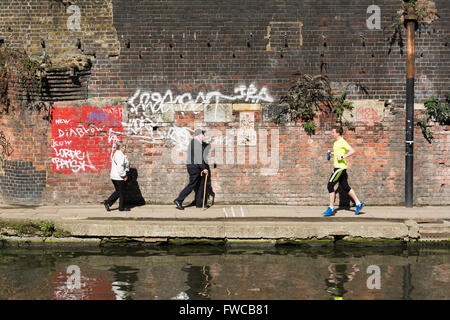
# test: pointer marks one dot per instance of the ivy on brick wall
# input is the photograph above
(435, 112)
(308, 95)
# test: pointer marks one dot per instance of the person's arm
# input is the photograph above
(349, 152)
(205, 150)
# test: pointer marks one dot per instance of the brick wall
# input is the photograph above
(166, 64)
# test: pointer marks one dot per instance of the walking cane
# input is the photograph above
(204, 191)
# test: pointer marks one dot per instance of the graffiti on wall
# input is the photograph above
(155, 102)
(365, 110)
(80, 140)
(5, 147)
(366, 114)
(83, 138)
(146, 109)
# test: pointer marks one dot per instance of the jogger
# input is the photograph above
(341, 150)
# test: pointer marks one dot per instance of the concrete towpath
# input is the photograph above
(242, 221)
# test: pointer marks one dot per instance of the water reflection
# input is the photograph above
(407, 286)
(125, 277)
(198, 280)
(204, 273)
(338, 275)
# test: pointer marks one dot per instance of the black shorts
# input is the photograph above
(338, 175)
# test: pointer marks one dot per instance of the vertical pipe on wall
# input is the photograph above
(410, 70)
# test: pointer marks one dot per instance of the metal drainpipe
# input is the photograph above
(411, 23)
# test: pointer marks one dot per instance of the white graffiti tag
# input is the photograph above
(146, 108)
(76, 160)
(154, 102)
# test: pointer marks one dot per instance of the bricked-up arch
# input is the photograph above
(66, 78)
(21, 183)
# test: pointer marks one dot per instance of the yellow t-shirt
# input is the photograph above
(340, 148)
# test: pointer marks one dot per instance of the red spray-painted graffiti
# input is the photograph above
(80, 137)
(366, 114)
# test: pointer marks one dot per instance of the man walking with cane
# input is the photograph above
(341, 150)
(196, 167)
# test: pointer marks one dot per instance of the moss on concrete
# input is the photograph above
(250, 242)
(39, 242)
(197, 241)
(370, 241)
(306, 242)
(445, 241)
(28, 227)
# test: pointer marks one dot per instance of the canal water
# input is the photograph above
(215, 272)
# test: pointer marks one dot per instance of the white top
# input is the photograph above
(119, 166)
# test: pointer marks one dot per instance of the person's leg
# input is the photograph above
(194, 177)
(345, 186)
(122, 194)
(334, 179)
(115, 195)
(332, 198)
(351, 193)
(195, 195)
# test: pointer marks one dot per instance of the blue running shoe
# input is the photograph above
(358, 208)
(329, 212)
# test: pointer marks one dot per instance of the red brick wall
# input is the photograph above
(213, 46)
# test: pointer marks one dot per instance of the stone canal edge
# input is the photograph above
(235, 232)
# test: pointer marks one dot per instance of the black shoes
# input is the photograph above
(180, 207)
(108, 208)
(105, 203)
(178, 204)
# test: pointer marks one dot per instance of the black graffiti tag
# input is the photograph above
(5, 147)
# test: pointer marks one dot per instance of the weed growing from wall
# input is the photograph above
(309, 94)
(436, 112)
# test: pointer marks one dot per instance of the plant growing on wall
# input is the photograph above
(304, 97)
(434, 111)
(309, 94)
(424, 10)
(339, 105)
(29, 74)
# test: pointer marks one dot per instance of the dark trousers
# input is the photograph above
(195, 183)
(338, 175)
(119, 193)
